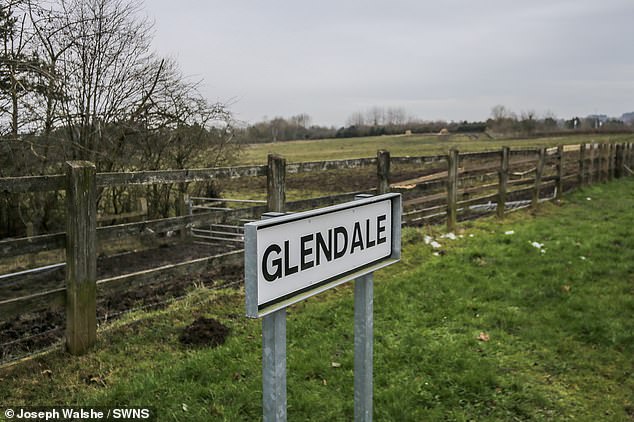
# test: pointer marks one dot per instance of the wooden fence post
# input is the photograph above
(560, 172)
(383, 171)
(539, 169)
(182, 208)
(504, 177)
(598, 164)
(611, 161)
(605, 162)
(81, 256)
(619, 162)
(582, 165)
(276, 183)
(452, 189)
(591, 165)
(608, 162)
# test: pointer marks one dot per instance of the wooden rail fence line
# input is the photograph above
(550, 169)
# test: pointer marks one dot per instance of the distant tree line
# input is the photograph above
(375, 122)
(78, 80)
(528, 123)
(394, 121)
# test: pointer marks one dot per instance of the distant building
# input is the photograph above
(628, 118)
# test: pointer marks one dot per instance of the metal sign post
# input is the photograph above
(363, 344)
(274, 360)
(289, 258)
(274, 366)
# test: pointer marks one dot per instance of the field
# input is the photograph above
(488, 328)
(400, 145)
(339, 181)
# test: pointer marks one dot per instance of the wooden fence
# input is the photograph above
(457, 186)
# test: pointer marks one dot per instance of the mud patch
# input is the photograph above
(204, 332)
(32, 331)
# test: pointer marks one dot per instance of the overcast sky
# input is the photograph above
(452, 59)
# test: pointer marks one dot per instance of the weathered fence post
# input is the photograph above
(582, 165)
(504, 177)
(591, 166)
(539, 169)
(599, 163)
(560, 172)
(604, 162)
(182, 208)
(276, 183)
(274, 324)
(452, 189)
(611, 161)
(620, 162)
(81, 256)
(383, 171)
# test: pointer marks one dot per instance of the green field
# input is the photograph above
(491, 329)
(400, 145)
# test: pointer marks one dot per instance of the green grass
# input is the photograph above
(399, 145)
(560, 327)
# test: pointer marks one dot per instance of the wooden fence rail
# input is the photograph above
(450, 194)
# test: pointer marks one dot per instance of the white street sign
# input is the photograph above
(295, 256)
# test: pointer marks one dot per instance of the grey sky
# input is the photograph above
(451, 59)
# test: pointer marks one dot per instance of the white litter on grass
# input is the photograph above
(471, 235)
(509, 232)
(583, 258)
(588, 199)
(427, 239)
(435, 244)
(537, 244)
(436, 254)
(449, 236)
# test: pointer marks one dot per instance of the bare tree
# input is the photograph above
(528, 121)
(396, 116)
(376, 116)
(97, 91)
(500, 112)
(356, 119)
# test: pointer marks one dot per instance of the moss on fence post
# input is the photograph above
(81, 256)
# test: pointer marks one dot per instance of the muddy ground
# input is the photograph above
(34, 331)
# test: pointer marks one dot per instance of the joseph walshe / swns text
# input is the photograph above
(77, 414)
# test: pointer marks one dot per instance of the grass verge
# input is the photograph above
(488, 328)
